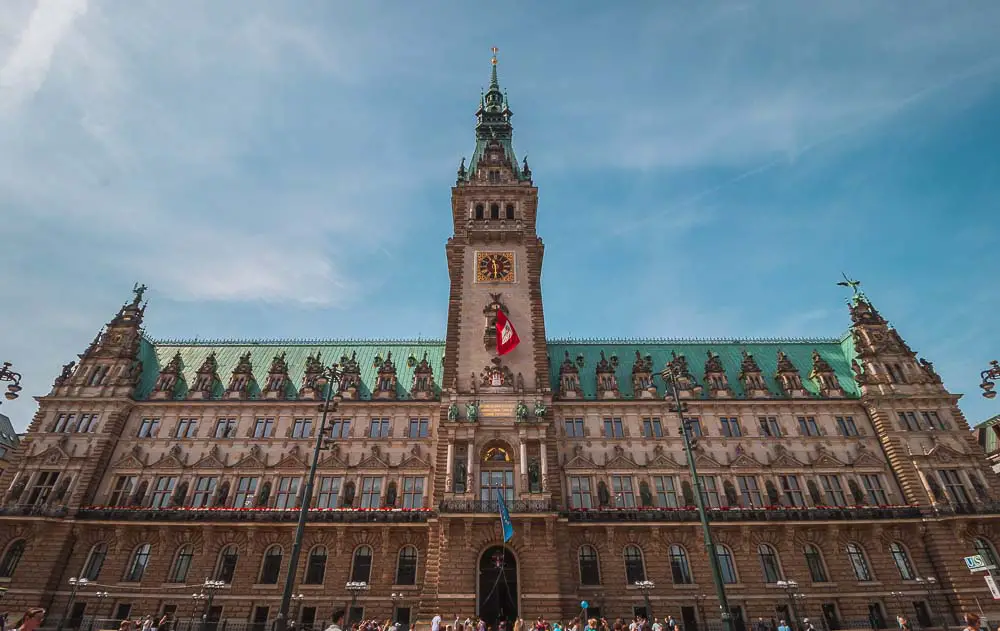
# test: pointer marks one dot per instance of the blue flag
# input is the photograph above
(508, 526)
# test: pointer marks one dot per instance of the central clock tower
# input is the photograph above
(495, 261)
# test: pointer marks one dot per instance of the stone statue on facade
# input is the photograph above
(521, 412)
(644, 494)
(460, 475)
(390, 494)
(472, 411)
(534, 476)
(540, 410)
(453, 412)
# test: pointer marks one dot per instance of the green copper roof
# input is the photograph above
(157, 354)
(988, 438)
(730, 352)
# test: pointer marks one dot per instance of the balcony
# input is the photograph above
(690, 514)
(270, 515)
(32, 510)
(493, 506)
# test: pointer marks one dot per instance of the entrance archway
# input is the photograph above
(498, 586)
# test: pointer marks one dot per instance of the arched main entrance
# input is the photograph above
(497, 586)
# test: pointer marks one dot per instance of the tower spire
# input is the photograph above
(494, 82)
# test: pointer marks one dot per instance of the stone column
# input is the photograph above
(448, 487)
(545, 467)
(468, 467)
(524, 458)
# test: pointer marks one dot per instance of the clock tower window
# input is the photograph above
(480, 212)
(494, 211)
(494, 177)
(510, 211)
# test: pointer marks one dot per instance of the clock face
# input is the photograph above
(497, 267)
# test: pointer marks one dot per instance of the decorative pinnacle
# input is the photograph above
(494, 83)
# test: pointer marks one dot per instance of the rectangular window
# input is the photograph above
(873, 489)
(329, 491)
(710, 491)
(61, 422)
(246, 488)
(666, 491)
(652, 427)
(263, 428)
(288, 490)
(43, 487)
(693, 427)
(162, 491)
(833, 490)
(379, 428)
(340, 428)
(413, 492)
(909, 421)
(749, 491)
(793, 492)
(574, 427)
(225, 428)
(808, 426)
(579, 491)
(149, 427)
(769, 427)
(88, 424)
(204, 488)
(122, 490)
(731, 427)
(953, 484)
(621, 488)
(371, 492)
(419, 428)
(613, 428)
(932, 420)
(302, 428)
(186, 428)
(846, 426)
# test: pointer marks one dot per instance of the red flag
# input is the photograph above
(507, 337)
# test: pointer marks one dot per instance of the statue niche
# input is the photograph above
(490, 313)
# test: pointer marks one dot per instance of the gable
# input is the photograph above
(745, 461)
(51, 455)
(787, 461)
(209, 462)
(249, 462)
(291, 462)
(129, 461)
(580, 462)
(621, 461)
(414, 462)
(705, 460)
(168, 461)
(827, 460)
(373, 462)
(868, 459)
(332, 461)
(662, 461)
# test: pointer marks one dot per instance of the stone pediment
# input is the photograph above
(209, 462)
(250, 461)
(168, 461)
(786, 460)
(51, 455)
(291, 462)
(944, 453)
(663, 461)
(129, 461)
(705, 460)
(332, 461)
(826, 459)
(868, 459)
(580, 461)
(414, 462)
(373, 462)
(745, 461)
(621, 461)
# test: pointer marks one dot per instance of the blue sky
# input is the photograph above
(705, 169)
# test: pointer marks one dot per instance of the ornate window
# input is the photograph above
(316, 566)
(95, 561)
(361, 569)
(406, 566)
(494, 208)
(480, 212)
(984, 548)
(727, 566)
(902, 561)
(814, 559)
(226, 568)
(182, 564)
(11, 558)
(271, 566)
(137, 564)
(510, 211)
(371, 492)
(679, 566)
(590, 566)
(769, 563)
(635, 569)
(859, 563)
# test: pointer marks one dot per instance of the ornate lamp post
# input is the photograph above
(354, 588)
(101, 597)
(396, 598)
(790, 587)
(6, 374)
(990, 377)
(645, 587)
(74, 583)
(928, 582)
(209, 588)
(671, 378)
(699, 602)
(898, 598)
(330, 377)
(297, 599)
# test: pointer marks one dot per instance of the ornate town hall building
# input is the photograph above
(841, 464)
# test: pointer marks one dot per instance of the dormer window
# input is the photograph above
(494, 211)
(480, 212)
(510, 211)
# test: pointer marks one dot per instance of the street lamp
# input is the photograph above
(101, 597)
(354, 588)
(990, 376)
(699, 602)
(928, 582)
(6, 374)
(74, 585)
(898, 597)
(790, 587)
(396, 597)
(210, 587)
(671, 378)
(297, 599)
(645, 587)
(330, 377)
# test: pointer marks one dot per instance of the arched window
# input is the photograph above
(226, 568)
(406, 566)
(95, 561)
(679, 567)
(11, 558)
(590, 566)
(494, 211)
(510, 211)
(727, 566)
(271, 566)
(984, 548)
(480, 212)
(635, 570)
(361, 569)
(769, 563)
(859, 563)
(814, 559)
(182, 564)
(137, 564)
(316, 566)
(902, 561)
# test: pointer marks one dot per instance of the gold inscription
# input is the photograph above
(494, 410)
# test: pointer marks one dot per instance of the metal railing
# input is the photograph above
(745, 514)
(493, 506)
(254, 515)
